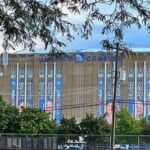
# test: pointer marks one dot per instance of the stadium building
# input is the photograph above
(76, 84)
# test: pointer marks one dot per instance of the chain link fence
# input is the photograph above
(72, 142)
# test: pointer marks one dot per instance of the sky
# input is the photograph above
(137, 39)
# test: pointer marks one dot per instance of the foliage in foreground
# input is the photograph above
(35, 121)
(126, 124)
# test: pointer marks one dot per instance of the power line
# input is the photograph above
(75, 93)
(64, 107)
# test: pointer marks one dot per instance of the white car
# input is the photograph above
(73, 148)
(121, 147)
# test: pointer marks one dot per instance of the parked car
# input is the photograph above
(135, 147)
(101, 148)
(121, 147)
(73, 148)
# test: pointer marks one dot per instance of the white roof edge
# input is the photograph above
(41, 51)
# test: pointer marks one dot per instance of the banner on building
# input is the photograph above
(100, 100)
(30, 88)
(147, 93)
(41, 101)
(140, 93)
(13, 86)
(131, 90)
(21, 88)
(58, 112)
(109, 94)
(50, 91)
(119, 95)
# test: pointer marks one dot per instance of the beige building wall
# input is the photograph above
(79, 80)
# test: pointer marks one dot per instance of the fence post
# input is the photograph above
(109, 140)
(55, 146)
(26, 141)
(138, 142)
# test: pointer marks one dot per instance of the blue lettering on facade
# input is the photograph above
(43, 59)
(70, 58)
(94, 58)
(57, 59)
(80, 58)
(120, 57)
(53, 59)
(112, 58)
(88, 58)
(106, 57)
(100, 58)
(63, 58)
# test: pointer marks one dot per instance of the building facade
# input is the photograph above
(76, 84)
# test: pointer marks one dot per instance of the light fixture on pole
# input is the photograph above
(122, 74)
(1, 74)
(5, 59)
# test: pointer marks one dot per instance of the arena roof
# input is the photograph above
(41, 51)
(84, 50)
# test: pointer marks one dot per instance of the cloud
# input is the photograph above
(137, 37)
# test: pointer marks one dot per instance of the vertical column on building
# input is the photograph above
(45, 101)
(36, 66)
(105, 85)
(113, 76)
(82, 95)
(25, 84)
(144, 103)
(17, 83)
(135, 89)
(54, 91)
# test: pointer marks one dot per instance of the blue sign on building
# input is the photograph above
(81, 57)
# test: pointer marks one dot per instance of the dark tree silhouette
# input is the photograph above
(22, 21)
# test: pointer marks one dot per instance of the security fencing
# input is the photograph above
(73, 142)
(28, 142)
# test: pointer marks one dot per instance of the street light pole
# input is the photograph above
(114, 99)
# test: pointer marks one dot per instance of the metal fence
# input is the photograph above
(27, 142)
(55, 142)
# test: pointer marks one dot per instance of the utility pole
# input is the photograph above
(114, 99)
(127, 51)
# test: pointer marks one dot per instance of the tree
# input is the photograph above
(95, 129)
(35, 121)
(12, 113)
(29, 121)
(8, 115)
(126, 125)
(144, 124)
(21, 22)
(68, 126)
(68, 129)
(3, 123)
(114, 15)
